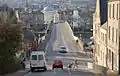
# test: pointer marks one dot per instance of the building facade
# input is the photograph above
(100, 36)
(50, 14)
(107, 35)
(113, 34)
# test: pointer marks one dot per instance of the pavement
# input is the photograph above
(18, 73)
(62, 36)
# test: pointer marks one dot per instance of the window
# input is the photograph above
(98, 50)
(110, 10)
(103, 37)
(116, 34)
(101, 54)
(109, 55)
(117, 11)
(112, 33)
(113, 11)
(40, 57)
(34, 57)
(63, 47)
(112, 59)
(109, 32)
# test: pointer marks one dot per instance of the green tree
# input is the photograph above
(10, 38)
(8, 17)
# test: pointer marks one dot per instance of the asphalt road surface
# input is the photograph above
(62, 36)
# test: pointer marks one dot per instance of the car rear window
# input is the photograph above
(40, 57)
(63, 47)
(58, 61)
(34, 57)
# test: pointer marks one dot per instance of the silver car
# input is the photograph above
(63, 49)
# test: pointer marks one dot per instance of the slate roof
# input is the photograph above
(50, 8)
(103, 11)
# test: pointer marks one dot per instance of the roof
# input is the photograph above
(37, 52)
(50, 8)
(103, 11)
(29, 35)
(104, 26)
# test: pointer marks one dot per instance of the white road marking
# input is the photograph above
(54, 71)
(58, 32)
(63, 38)
(55, 45)
(83, 59)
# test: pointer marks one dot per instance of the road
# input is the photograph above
(62, 36)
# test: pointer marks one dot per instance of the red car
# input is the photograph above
(57, 64)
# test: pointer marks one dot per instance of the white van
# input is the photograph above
(37, 60)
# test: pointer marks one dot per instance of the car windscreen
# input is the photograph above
(40, 57)
(34, 57)
(63, 47)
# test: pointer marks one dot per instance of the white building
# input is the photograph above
(50, 14)
(113, 38)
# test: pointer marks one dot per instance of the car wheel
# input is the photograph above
(61, 67)
(52, 67)
(32, 70)
(45, 68)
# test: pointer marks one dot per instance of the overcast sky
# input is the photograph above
(14, 2)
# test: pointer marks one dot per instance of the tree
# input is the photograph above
(10, 41)
(10, 38)
(86, 17)
(86, 21)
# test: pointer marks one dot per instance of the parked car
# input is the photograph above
(63, 49)
(37, 61)
(57, 64)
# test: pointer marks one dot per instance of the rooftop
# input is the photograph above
(50, 8)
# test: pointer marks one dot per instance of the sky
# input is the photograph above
(16, 2)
